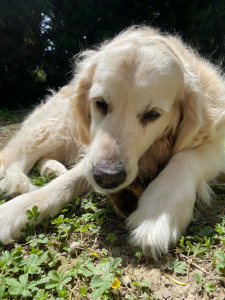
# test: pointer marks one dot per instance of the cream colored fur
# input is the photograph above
(138, 71)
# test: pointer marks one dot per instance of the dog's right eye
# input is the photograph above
(102, 106)
(149, 116)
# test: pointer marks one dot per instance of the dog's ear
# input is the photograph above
(190, 113)
(82, 82)
(82, 112)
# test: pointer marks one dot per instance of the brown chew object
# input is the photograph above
(125, 201)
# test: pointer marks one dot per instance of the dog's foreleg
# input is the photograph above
(49, 200)
(165, 209)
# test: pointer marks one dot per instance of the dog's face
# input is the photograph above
(131, 98)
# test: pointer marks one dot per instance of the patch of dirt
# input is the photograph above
(8, 127)
(7, 132)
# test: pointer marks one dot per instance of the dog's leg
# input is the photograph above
(46, 133)
(166, 207)
(49, 200)
(16, 161)
(50, 167)
(13, 176)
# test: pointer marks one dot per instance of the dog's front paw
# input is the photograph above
(153, 234)
(163, 214)
(13, 218)
(51, 167)
(16, 183)
(156, 225)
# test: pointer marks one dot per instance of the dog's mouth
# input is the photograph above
(111, 179)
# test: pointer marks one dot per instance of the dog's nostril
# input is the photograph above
(109, 177)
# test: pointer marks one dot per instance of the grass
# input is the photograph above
(47, 265)
(64, 257)
(5, 114)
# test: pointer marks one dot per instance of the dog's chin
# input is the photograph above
(101, 190)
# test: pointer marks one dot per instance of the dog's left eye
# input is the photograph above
(102, 106)
(149, 116)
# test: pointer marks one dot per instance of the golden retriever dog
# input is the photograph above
(143, 107)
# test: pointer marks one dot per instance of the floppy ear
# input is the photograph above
(191, 114)
(82, 82)
(82, 113)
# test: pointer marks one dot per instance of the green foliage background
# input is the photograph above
(39, 38)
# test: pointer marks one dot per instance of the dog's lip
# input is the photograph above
(136, 186)
(110, 190)
(108, 186)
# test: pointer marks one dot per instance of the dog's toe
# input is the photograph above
(51, 167)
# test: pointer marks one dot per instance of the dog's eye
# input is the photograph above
(149, 116)
(102, 106)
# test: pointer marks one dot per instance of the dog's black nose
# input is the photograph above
(108, 177)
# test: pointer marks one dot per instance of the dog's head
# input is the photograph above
(132, 92)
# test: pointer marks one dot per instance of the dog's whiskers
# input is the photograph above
(150, 174)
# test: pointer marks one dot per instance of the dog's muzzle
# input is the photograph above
(109, 177)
